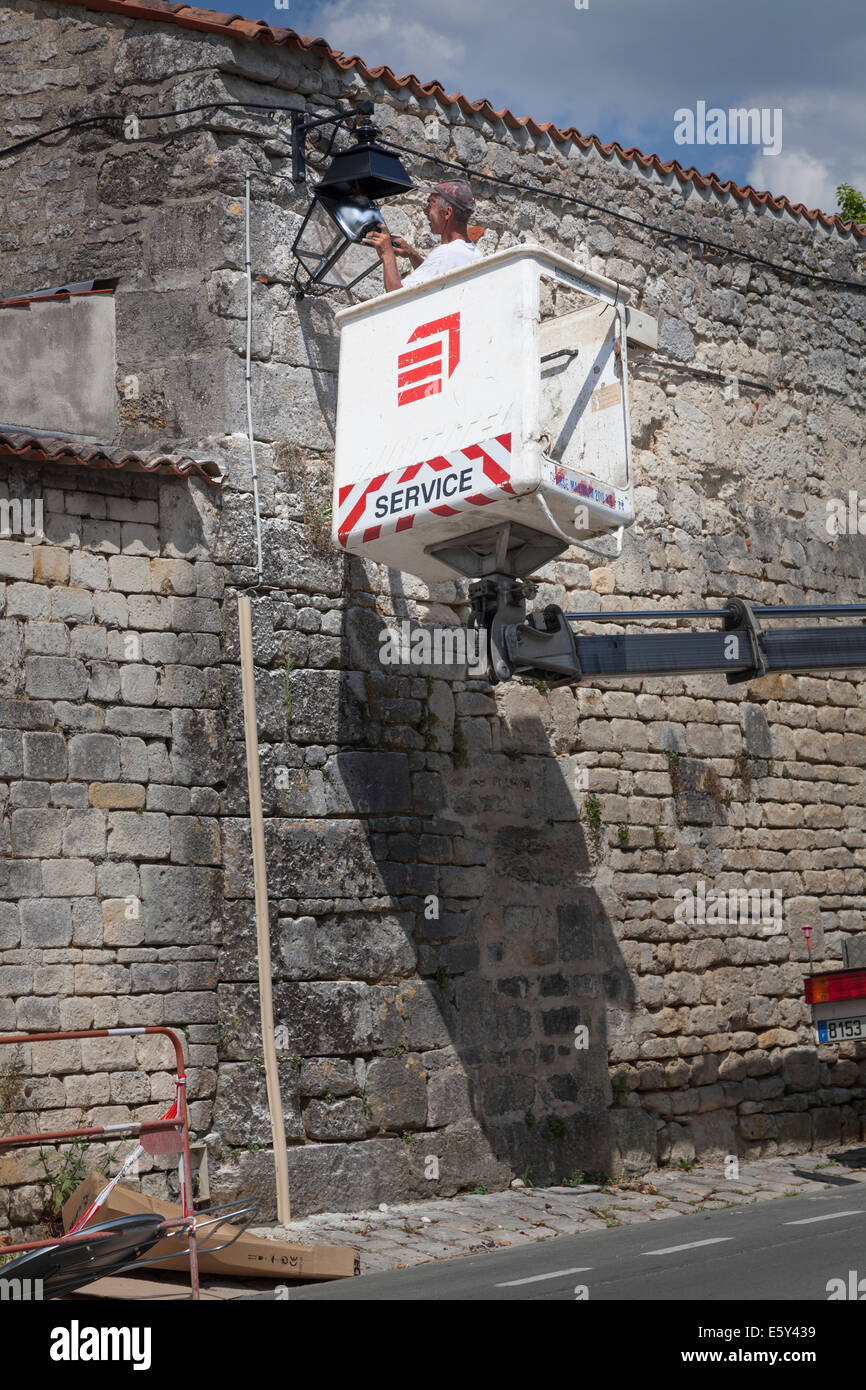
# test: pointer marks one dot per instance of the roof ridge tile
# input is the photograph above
(215, 22)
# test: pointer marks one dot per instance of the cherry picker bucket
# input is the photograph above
(483, 419)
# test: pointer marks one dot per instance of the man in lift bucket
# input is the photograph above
(448, 210)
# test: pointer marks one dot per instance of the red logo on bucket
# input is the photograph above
(420, 370)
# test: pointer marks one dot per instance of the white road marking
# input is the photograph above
(692, 1245)
(536, 1278)
(831, 1216)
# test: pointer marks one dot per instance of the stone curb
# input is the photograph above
(413, 1233)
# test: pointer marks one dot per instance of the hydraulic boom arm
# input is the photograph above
(546, 642)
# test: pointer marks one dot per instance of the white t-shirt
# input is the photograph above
(450, 256)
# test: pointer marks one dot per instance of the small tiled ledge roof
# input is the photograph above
(37, 448)
(76, 291)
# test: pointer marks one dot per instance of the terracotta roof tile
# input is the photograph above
(21, 300)
(37, 448)
(233, 26)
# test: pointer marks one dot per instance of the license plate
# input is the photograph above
(839, 1029)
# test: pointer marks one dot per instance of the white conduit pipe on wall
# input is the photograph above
(254, 470)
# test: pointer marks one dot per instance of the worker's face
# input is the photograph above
(437, 214)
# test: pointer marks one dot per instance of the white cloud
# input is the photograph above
(380, 31)
(803, 178)
(822, 148)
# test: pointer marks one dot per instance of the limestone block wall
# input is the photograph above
(110, 775)
(551, 830)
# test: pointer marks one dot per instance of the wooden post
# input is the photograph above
(263, 936)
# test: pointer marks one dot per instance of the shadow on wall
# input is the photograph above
(513, 949)
(448, 976)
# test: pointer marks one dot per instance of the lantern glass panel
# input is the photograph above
(329, 244)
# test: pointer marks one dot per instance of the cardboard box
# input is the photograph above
(253, 1256)
(140, 1290)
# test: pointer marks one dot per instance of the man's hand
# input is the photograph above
(382, 240)
(403, 248)
(388, 245)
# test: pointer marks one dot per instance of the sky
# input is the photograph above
(634, 70)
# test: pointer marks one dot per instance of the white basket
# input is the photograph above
(494, 394)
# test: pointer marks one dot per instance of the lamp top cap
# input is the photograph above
(366, 168)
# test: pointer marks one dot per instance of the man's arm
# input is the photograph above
(390, 274)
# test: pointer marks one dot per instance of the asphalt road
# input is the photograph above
(787, 1248)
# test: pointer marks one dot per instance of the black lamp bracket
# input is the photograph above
(303, 123)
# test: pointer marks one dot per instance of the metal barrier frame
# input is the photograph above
(175, 1128)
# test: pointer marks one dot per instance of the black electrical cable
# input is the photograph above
(460, 168)
(57, 130)
(158, 116)
(658, 363)
(624, 217)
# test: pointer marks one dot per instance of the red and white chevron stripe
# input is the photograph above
(483, 473)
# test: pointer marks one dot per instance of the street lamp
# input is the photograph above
(329, 247)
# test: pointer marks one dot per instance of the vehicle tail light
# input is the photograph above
(840, 984)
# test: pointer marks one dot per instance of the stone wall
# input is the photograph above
(111, 760)
(390, 797)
